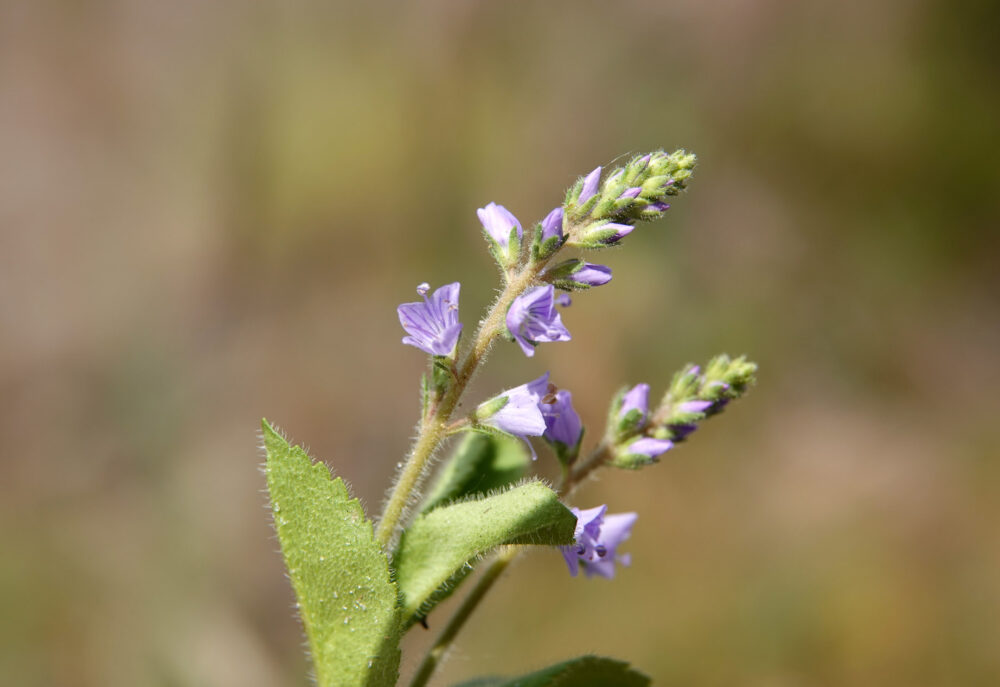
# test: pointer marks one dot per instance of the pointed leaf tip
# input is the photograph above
(437, 550)
(341, 578)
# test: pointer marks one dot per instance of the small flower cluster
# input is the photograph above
(481, 502)
(640, 437)
(594, 215)
(694, 396)
(606, 213)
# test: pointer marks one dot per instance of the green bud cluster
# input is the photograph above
(724, 379)
(657, 175)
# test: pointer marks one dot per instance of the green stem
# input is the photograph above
(444, 641)
(432, 430)
(434, 656)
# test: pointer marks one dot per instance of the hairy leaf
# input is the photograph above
(438, 549)
(340, 574)
(585, 671)
(480, 464)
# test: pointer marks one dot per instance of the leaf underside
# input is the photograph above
(341, 578)
(585, 671)
(437, 551)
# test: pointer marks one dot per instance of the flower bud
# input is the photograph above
(503, 234)
(577, 275)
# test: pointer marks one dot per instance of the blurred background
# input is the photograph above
(210, 210)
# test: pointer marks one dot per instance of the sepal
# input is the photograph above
(543, 248)
(488, 409)
(566, 455)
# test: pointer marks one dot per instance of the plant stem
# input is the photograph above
(444, 641)
(432, 430)
(433, 657)
(596, 459)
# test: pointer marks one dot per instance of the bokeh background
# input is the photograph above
(209, 211)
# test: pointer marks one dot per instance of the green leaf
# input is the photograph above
(585, 671)
(437, 551)
(480, 464)
(341, 578)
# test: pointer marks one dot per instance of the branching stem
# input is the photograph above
(434, 656)
(433, 428)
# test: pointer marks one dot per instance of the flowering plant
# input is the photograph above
(360, 586)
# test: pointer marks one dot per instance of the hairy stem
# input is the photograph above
(597, 458)
(432, 429)
(444, 641)
(434, 656)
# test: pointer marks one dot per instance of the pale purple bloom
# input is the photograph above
(498, 221)
(533, 319)
(590, 186)
(563, 300)
(577, 274)
(588, 529)
(658, 206)
(631, 192)
(598, 537)
(592, 275)
(520, 414)
(621, 231)
(616, 529)
(689, 407)
(562, 423)
(636, 398)
(679, 431)
(552, 225)
(433, 325)
(649, 447)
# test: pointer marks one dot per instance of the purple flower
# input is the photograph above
(516, 410)
(590, 186)
(563, 300)
(636, 398)
(631, 192)
(433, 325)
(575, 274)
(552, 225)
(649, 447)
(562, 424)
(621, 231)
(532, 319)
(616, 529)
(592, 275)
(498, 221)
(598, 537)
(693, 407)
